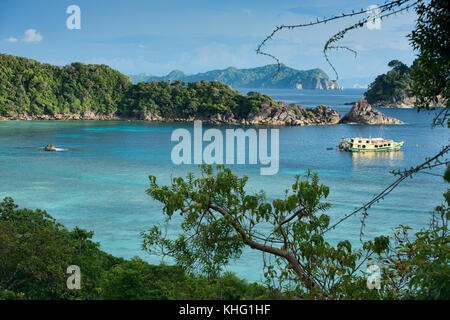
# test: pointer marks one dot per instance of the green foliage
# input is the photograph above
(35, 252)
(447, 174)
(432, 73)
(387, 87)
(29, 87)
(418, 268)
(220, 219)
(196, 99)
(137, 279)
(10, 295)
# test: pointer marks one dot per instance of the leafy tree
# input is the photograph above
(388, 87)
(35, 252)
(133, 280)
(432, 73)
(220, 219)
(418, 268)
(200, 99)
(31, 88)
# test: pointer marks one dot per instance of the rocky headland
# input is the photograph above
(97, 92)
(281, 115)
(87, 115)
(363, 113)
(404, 100)
(294, 115)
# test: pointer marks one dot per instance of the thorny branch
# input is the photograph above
(428, 164)
(388, 7)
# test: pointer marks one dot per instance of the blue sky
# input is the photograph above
(158, 36)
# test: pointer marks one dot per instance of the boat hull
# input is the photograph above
(360, 144)
(396, 147)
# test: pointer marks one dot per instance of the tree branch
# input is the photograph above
(284, 253)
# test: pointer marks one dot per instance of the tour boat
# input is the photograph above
(369, 144)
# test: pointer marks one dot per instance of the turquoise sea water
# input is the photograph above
(98, 180)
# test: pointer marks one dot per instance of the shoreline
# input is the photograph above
(284, 115)
(177, 120)
(288, 115)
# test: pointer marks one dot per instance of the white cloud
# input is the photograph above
(141, 46)
(31, 35)
(11, 39)
(360, 86)
(399, 45)
(247, 11)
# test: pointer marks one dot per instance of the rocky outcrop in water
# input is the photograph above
(50, 147)
(362, 112)
(293, 115)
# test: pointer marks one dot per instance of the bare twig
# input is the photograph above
(386, 7)
(428, 164)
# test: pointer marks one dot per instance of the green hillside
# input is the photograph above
(389, 86)
(28, 87)
(261, 77)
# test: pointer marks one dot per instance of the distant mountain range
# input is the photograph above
(260, 77)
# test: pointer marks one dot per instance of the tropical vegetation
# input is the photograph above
(36, 250)
(220, 219)
(32, 88)
(389, 86)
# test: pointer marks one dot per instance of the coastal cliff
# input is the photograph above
(363, 113)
